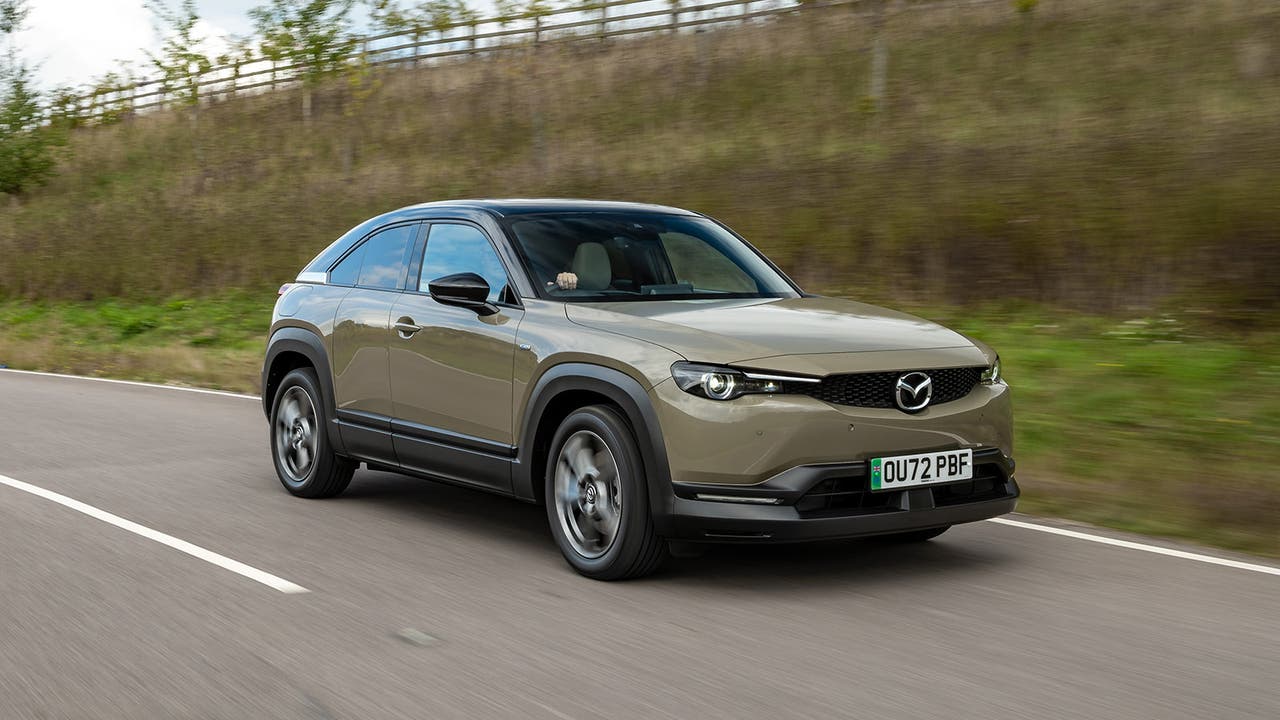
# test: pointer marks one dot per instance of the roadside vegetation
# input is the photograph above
(1092, 187)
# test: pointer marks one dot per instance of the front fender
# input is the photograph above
(625, 392)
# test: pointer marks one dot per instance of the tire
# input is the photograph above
(916, 536)
(601, 519)
(300, 449)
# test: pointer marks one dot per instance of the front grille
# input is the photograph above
(876, 390)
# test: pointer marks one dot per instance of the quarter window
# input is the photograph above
(346, 272)
(453, 249)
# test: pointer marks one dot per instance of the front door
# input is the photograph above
(451, 378)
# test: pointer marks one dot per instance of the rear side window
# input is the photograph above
(378, 262)
(384, 258)
(453, 249)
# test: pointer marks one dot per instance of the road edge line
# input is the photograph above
(137, 383)
(272, 581)
(1129, 544)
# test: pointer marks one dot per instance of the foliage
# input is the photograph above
(13, 15)
(180, 61)
(536, 9)
(431, 15)
(389, 16)
(312, 34)
(105, 102)
(27, 143)
(508, 11)
(64, 107)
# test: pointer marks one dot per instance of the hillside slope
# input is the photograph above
(1094, 155)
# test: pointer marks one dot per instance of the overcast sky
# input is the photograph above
(74, 41)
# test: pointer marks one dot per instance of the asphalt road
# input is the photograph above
(428, 601)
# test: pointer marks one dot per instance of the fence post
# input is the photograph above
(675, 16)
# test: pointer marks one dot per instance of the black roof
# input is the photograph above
(477, 211)
(525, 206)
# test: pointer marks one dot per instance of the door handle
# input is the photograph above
(405, 327)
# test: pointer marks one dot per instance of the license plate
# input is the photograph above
(902, 471)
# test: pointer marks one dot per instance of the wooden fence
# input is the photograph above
(589, 21)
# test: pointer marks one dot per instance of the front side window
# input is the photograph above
(608, 257)
(453, 249)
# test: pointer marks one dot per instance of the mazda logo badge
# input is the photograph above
(913, 392)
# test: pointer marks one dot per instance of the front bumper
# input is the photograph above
(832, 501)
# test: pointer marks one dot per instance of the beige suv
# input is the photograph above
(640, 370)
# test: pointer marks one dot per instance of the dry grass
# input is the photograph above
(1098, 155)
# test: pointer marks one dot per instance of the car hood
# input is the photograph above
(811, 335)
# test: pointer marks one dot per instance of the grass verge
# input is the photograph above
(1150, 425)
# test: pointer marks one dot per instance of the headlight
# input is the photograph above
(991, 375)
(722, 383)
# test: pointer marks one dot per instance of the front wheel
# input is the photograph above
(597, 498)
(304, 460)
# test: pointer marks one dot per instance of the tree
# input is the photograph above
(387, 16)
(536, 10)
(438, 16)
(508, 11)
(180, 62)
(239, 53)
(312, 35)
(27, 143)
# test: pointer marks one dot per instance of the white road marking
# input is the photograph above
(1156, 549)
(195, 551)
(202, 391)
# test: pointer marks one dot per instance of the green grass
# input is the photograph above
(213, 342)
(1157, 425)
(1146, 425)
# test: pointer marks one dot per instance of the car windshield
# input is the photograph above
(607, 257)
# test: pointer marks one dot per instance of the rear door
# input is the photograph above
(451, 379)
(376, 270)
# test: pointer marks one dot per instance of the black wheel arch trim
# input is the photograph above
(309, 345)
(627, 394)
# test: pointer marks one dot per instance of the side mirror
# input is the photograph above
(467, 290)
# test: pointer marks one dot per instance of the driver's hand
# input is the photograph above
(567, 281)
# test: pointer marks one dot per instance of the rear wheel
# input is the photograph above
(597, 498)
(304, 460)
